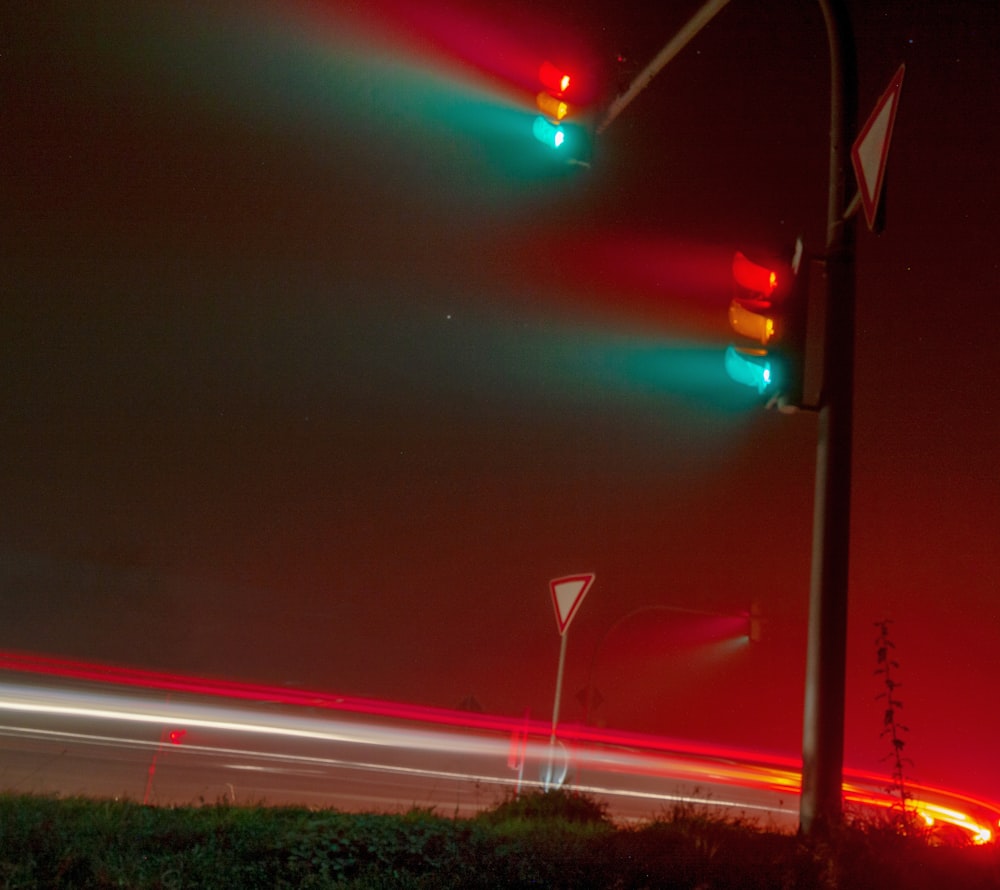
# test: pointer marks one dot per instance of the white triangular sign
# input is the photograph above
(567, 594)
(871, 149)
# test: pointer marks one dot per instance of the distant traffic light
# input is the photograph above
(558, 126)
(176, 736)
(772, 307)
(552, 102)
(755, 630)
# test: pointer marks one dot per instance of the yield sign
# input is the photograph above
(567, 594)
(871, 148)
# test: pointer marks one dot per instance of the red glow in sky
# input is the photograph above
(315, 372)
(471, 43)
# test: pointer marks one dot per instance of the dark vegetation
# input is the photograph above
(552, 840)
(892, 728)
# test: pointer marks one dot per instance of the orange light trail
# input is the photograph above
(589, 748)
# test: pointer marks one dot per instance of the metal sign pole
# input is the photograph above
(821, 804)
(555, 708)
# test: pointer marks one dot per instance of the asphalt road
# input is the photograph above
(168, 748)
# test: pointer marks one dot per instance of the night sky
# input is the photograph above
(315, 367)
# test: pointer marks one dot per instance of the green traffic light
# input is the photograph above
(751, 367)
(548, 133)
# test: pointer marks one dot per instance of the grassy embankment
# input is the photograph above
(551, 841)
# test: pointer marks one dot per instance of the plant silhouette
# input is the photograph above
(891, 725)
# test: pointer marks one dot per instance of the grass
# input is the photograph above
(552, 840)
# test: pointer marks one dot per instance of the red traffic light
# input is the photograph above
(752, 276)
(176, 736)
(554, 79)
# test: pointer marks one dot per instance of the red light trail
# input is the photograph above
(588, 748)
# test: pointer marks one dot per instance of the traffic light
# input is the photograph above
(771, 307)
(176, 736)
(551, 101)
(558, 126)
(755, 630)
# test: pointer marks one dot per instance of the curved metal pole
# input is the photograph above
(821, 806)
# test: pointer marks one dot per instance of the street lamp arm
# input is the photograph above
(628, 616)
(676, 43)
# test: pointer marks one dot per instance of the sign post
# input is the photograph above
(567, 594)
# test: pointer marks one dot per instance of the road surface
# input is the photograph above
(175, 746)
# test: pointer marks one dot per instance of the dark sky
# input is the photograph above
(316, 368)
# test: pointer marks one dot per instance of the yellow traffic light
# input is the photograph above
(755, 325)
(552, 106)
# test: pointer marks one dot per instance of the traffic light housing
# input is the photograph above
(559, 126)
(772, 306)
(756, 621)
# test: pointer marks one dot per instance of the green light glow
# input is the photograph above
(330, 87)
(750, 367)
(562, 362)
(548, 133)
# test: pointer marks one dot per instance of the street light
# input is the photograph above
(744, 622)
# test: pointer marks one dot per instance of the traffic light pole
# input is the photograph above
(709, 10)
(821, 806)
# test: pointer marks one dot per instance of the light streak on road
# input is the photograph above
(136, 710)
(293, 746)
(934, 813)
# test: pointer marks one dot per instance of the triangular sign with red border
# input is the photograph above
(871, 149)
(567, 594)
